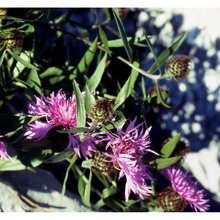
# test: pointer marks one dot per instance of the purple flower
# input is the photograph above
(183, 184)
(85, 146)
(3, 152)
(57, 110)
(127, 149)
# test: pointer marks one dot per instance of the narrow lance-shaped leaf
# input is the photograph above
(60, 156)
(67, 174)
(19, 59)
(131, 40)
(86, 59)
(2, 54)
(166, 53)
(95, 79)
(122, 34)
(165, 162)
(170, 146)
(84, 188)
(89, 99)
(80, 108)
(128, 86)
(32, 158)
(104, 39)
(154, 54)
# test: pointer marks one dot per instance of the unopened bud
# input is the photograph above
(170, 201)
(101, 164)
(179, 66)
(102, 111)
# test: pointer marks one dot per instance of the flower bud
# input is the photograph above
(101, 164)
(170, 201)
(179, 66)
(102, 111)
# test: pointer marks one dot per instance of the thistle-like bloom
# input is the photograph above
(3, 151)
(183, 184)
(57, 110)
(127, 150)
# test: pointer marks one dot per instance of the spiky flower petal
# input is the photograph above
(57, 110)
(183, 184)
(127, 147)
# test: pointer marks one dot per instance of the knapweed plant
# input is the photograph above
(74, 96)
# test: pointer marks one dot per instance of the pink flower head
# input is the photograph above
(128, 147)
(3, 151)
(183, 184)
(58, 110)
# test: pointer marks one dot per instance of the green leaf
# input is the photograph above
(166, 53)
(74, 158)
(165, 162)
(87, 164)
(127, 87)
(104, 39)
(107, 192)
(80, 108)
(131, 40)
(60, 156)
(23, 161)
(89, 99)
(33, 81)
(122, 34)
(99, 204)
(170, 146)
(2, 54)
(95, 79)
(86, 60)
(19, 59)
(51, 71)
(154, 55)
(84, 188)
(29, 89)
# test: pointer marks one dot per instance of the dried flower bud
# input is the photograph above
(102, 110)
(170, 201)
(101, 164)
(179, 66)
(15, 40)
